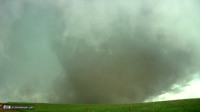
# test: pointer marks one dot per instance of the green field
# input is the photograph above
(187, 105)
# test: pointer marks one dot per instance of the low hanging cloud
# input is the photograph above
(98, 51)
(125, 51)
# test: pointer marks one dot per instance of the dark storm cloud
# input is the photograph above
(120, 53)
(96, 51)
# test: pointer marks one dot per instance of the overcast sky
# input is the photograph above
(91, 51)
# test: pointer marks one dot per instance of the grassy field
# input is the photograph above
(187, 105)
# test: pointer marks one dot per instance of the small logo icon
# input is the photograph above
(6, 107)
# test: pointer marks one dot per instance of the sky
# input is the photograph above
(90, 51)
